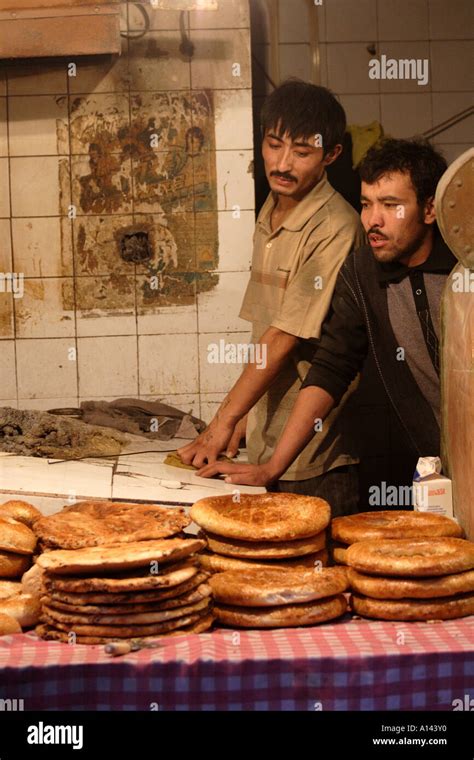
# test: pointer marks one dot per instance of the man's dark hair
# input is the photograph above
(303, 110)
(417, 158)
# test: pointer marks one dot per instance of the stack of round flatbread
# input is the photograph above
(265, 531)
(112, 570)
(412, 578)
(124, 591)
(18, 609)
(269, 598)
(370, 526)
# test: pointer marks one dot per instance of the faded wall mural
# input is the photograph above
(144, 191)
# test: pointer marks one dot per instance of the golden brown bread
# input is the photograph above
(126, 631)
(53, 615)
(16, 537)
(8, 625)
(410, 588)
(412, 557)
(32, 581)
(291, 615)
(9, 588)
(102, 523)
(50, 633)
(203, 591)
(138, 580)
(13, 565)
(262, 517)
(128, 597)
(23, 607)
(367, 526)
(110, 558)
(21, 511)
(217, 563)
(446, 608)
(339, 553)
(232, 547)
(264, 588)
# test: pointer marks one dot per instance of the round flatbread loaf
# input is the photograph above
(124, 631)
(102, 523)
(262, 517)
(196, 595)
(411, 588)
(45, 631)
(53, 615)
(169, 576)
(445, 608)
(23, 607)
(411, 557)
(339, 553)
(8, 625)
(13, 565)
(32, 581)
(266, 588)
(9, 589)
(287, 616)
(110, 558)
(264, 549)
(368, 526)
(130, 597)
(16, 537)
(21, 511)
(216, 563)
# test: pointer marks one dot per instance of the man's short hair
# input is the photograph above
(304, 110)
(416, 157)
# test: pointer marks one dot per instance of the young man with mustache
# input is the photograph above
(387, 300)
(303, 233)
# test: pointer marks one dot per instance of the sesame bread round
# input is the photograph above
(50, 633)
(265, 588)
(217, 563)
(118, 557)
(262, 517)
(445, 608)
(286, 616)
(367, 526)
(410, 588)
(264, 549)
(410, 557)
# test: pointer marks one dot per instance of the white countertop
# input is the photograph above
(138, 477)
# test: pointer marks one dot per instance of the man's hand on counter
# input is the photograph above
(240, 474)
(209, 445)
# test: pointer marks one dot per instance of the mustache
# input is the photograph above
(283, 176)
(374, 231)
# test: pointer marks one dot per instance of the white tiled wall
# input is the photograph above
(439, 30)
(56, 349)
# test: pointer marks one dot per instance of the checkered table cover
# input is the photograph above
(352, 664)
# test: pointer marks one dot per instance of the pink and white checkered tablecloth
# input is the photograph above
(348, 665)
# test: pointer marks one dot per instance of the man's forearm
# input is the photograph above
(312, 404)
(255, 379)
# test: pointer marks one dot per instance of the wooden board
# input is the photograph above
(16, 5)
(43, 33)
(457, 399)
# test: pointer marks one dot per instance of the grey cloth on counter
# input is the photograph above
(151, 419)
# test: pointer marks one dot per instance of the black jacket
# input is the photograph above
(358, 321)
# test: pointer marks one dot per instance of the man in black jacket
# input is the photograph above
(387, 300)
